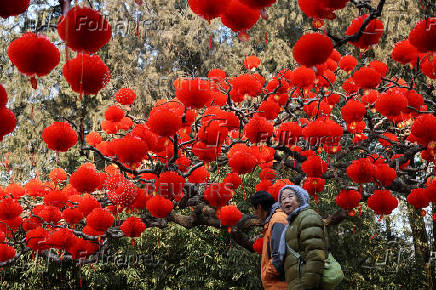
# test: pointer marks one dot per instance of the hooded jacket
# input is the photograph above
(305, 235)
(272, 274)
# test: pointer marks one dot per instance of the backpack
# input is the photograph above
(332, 274)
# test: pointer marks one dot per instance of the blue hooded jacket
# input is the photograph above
(303, 198)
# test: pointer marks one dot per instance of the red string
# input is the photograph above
(266, 40)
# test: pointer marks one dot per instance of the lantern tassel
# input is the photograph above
(132, 242)
(34, 83)
(266, 40)
(354, 229)
(210, 41)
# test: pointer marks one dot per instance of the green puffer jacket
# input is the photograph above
(305, 235)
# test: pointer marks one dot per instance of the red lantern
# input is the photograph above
(370, 35)
(385, 174)
(86, 74)
(93, 138)
(314, 166)
(242, 162)
(218, 194)
(240, 18)
(391, 103)
(313, 186)
(121, 192)
(170, 185)
(72, 216)
(9, 209)
(8, 122)
(87, 204)
(60, 136)
(302, 77)
(419, 199)
(258, 245)
(13, 7)
(382, 202)
(404, 52)
(362, 170)
(312, 49)
(251, 62)
(85, 179)
(56, 198)
(258, 129)
(194, 93)
(347, 63)
(33, 55)
(233, 181)
(129, 150)
(367, 78)
(164, 122)
(100, 220)
(288, 133)
(84, 30)
(348, 199)
(423, 129)
(423, 35)
(208, 9)
(229, 215)
(159, 206)
(199, 175)
(6, 253)
(114, 114)
(37, 239)
(133, 227)
(125, 96)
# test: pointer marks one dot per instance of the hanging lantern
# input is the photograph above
(84, 30)
(60, 136)
(348, 200)
(34, 56)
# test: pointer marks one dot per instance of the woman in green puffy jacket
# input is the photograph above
(304, 235)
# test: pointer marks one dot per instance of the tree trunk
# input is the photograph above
(420, 242)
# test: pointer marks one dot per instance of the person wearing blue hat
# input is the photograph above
(302, 247)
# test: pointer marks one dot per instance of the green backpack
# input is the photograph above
(332, 274)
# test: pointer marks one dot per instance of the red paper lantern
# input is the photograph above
(391, 103)
(314, 166)
(72, 216)
(229, 215)
(159, 206)
(133, 227)
(8, 122)
(170, 185)
(199, 175)
(423, 35)
(87, 204)
(114, 114)
(423, 129)
(13, 7)
(125, 96)
(258, 245)
(218, 194)
(242, 162)
(93, 138)
(385, 174)
(194, 93)
(251, 62)
(362, 170)
(370, 35)
(367, 78)
(404, 52)
(164, 122)
(302, 77)
(33, 55)
(240, 18)
(56, 198)
(84, 30)
(208, 9)
(129, 149)
(312, 49)
(258, 129)
(6, 253)
(60, 136)
(418, 198)
(347, 63)
(353, 111)
(100, 220)
(86, 74)
(9, 209)
(233, 181)
(288, 133)
(348, 199)
(85, 179)
(121, 192)
(382, 202)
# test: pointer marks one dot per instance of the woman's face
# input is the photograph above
(289, 201)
